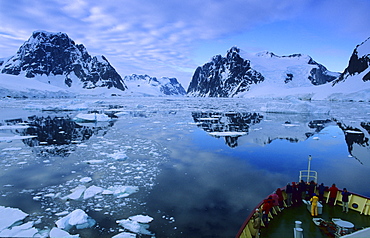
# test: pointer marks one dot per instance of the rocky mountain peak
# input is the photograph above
(359, 62)
(51, 54)
(224, 76)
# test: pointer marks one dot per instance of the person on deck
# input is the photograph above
(257, 222)
(289, 192)
(302, 188)
(333, 194)
(345, 195)
(275, 198)
(296, 195)
(321, 191)
(281, 198)
(267, 205)
(311, 188)
(314, 200)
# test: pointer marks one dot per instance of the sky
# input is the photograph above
(172, 38)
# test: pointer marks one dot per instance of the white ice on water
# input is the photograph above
(81, 191)
(78, 218)
(9, 216)
(57, 233)
(12, 224)
(137, 224)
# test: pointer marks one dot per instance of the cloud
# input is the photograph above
(159, 36)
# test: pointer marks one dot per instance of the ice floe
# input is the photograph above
(119, 155)
(81, 191)
(57, 233)
(125, 235)
(91, 117)
(137, 224)
(11, 223)
(227, 133)
(78, 218)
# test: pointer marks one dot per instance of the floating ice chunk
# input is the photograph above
(91, 117)
(141, 218)
(12, 127)
(10, 138)
(77, 218)
(121, 191)
(125, 235)
(56, 232)
(9, 216)
(76, 192)
(228, 133)
(85, 180)
(92, 191)
(315, 138)
(289, 125)
(119, 156)
(12, 149)
(353, 132)
(24, 230)
(61, 213)
(135, 226)
(94, 161)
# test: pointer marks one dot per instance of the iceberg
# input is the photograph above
(228, 133)
(121, 191)
(24, 230)
(85, 180)
(9, 216)
(9, 223)
(92, 191)
(91, 117)
(56, 232)
(77, 218)
(141, 218)
(119, 155)
(125, 235)
(137, 224)
(76, 192)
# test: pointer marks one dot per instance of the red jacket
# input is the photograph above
(333, 191)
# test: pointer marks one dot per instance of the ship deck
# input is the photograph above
(283, 223)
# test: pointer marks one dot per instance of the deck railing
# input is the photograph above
(308, 175)
(357, 203)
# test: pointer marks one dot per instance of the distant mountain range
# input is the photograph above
(58, 66)
(55, 59)
(147, 85)
(239, 74)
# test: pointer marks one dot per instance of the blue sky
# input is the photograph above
(171, 38)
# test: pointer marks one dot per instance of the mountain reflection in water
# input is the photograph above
(226, 122)
(54, 135)
(231, 122)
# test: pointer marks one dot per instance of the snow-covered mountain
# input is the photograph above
(359, 63)
(65, 64)
(239, 72)
(152, 86)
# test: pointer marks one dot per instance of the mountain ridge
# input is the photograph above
(240, 71)
(51, 54)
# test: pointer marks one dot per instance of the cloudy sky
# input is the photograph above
(172, 37)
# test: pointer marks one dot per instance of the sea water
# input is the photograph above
(193, 167)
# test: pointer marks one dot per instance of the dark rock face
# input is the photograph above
(224, 76)
(56, 54)
(320, 74)
(173, 88)
(358, 63)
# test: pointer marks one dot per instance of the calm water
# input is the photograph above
(193, 179)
